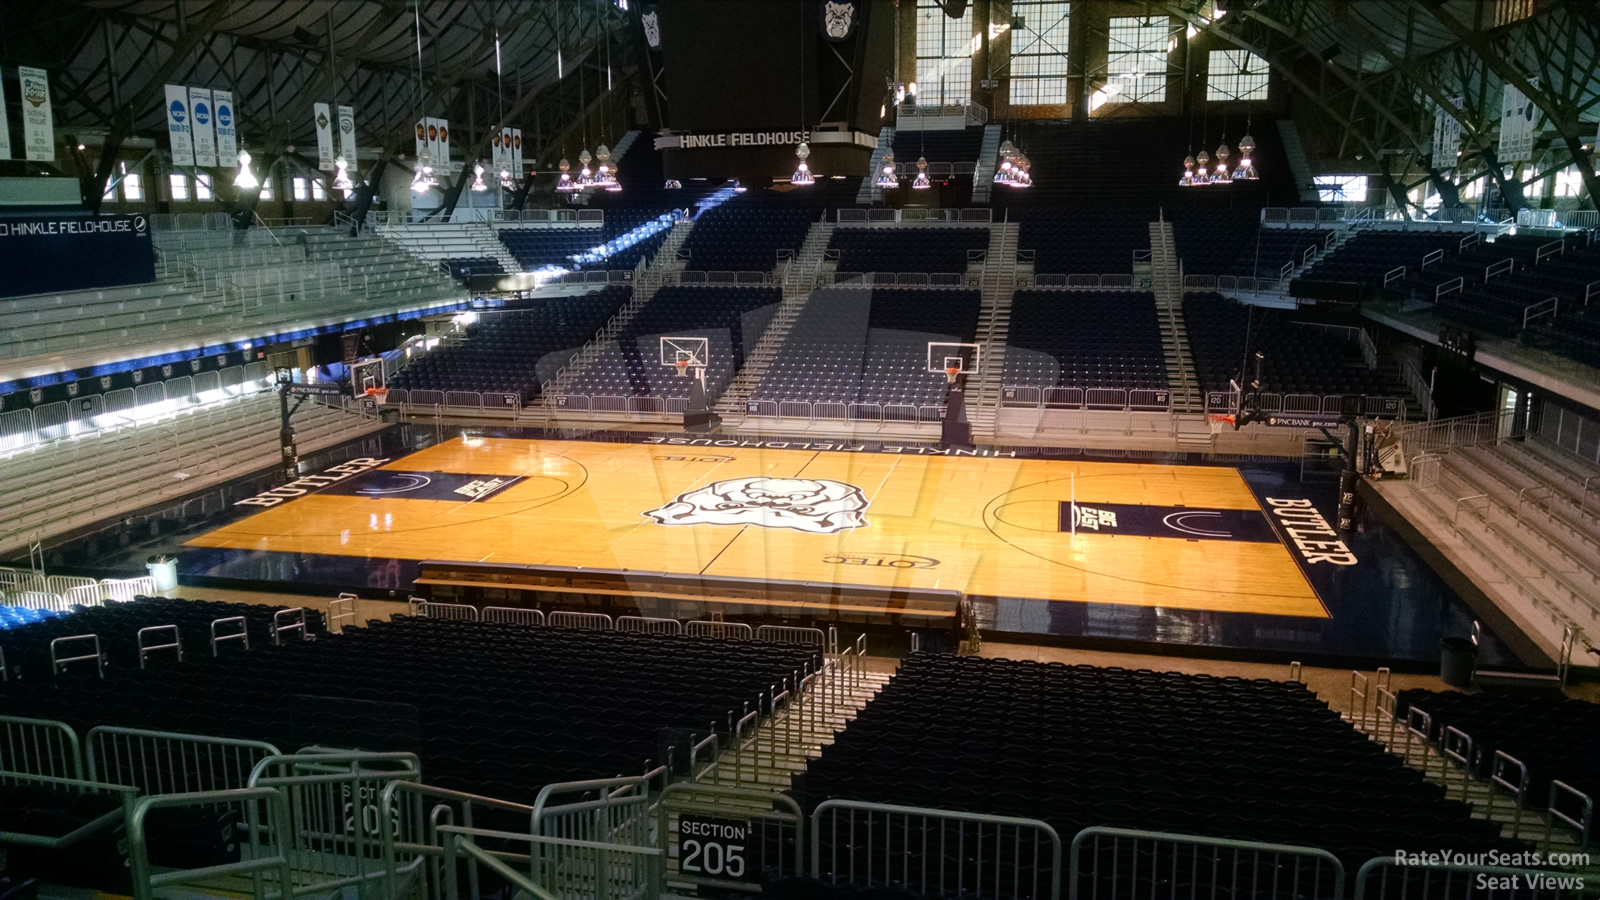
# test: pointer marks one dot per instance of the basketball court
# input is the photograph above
(1180, 537)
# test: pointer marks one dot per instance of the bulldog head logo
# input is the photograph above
(652, 29)
(814, 506)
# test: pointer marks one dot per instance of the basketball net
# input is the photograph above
(951, 372)
(379, 396)
(1218, 420)
(683, 368)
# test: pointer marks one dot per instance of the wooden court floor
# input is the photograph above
(988, 526)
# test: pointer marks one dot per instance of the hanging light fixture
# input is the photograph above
(585, 174)
(1247, 169)
(1021, 171)
(341, 176)
(564, 184)
(802, 173)
(888, 179)
(422, 176)
(1202, 176)
(506, 181)
(478, 184)
(603, 176)
(1188, 172)
(672, 184)
(1003, 174)
(246, 179)
(921, 182)
(1222, 174)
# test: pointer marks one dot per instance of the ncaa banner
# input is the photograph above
(324, 124)
(38, 125)
(1517, 115)
(227, 135)
(178, 125)
(347, 137)
(200, 127)
(5, 127)
(1446, 138)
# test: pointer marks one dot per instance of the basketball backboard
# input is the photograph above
(686, 354)
(943, 357)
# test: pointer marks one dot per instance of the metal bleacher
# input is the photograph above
(218, 285)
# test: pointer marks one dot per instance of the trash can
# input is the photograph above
(163, 567)
(1458, 657)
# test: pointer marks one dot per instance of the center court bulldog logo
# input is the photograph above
(815, 506)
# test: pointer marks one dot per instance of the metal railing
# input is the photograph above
(772, 844)
(896, 279)
(1110, 281)
(160, 762)
(583, 621)
(1021, 396)
(39, 747)
(828, 410)
(934, 852)
(976, 215)
(1127, 863)
(1319, 404)
(265, 857)
(1441, 435)
(602, 815)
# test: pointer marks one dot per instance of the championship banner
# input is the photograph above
(1446, 138)
(200, 127)
(347, 136)
(38, 125)
(443, 156)
(324, 122)
(1517, 115)
(516, 153)
(178, 125)
(433, 143)
(422, 138)
(5, 127)
(495, 143)
(227, 134)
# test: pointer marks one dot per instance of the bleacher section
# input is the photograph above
(1208, 240)
(1080, 746)
(1085, 339)
(57, 486)
(745, 237)
(586, 248)
(1501, 302)
(960, 147)
(934, 249)
(854, 345)
(732, 318)
(444, 241)
(462, 268)
(212, 286)
(1367, 257)
(1271, 249)
(516, 351)
(1301, 358)
(495, 710)
(1083, 241)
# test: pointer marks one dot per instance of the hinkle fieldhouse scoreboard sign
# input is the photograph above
(45, 254)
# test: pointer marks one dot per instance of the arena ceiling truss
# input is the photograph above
(108, 61)
(1376, 72)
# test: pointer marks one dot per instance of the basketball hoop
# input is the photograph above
(950, 373)
(683, 367)
(1218, 420)
(380, 396)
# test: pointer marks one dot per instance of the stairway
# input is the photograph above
(870, 192)
(1527, 823)
(988, 158)
(774, 753)
(998, 286)
(1299, 163)
(491, 245)
(648, 280)
(799, 277)
(1166, 278)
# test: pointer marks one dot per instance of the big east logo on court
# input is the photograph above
(815, 506)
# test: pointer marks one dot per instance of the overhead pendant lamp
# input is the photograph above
(585, 174)
(564, 184)
(1202, 176)
(605, 176)
(1247, 169)
(246, 179)
(1222, 174)
(1002, 173)
(478, 184)
(1188, 172)
(888, 179)
(422, 179)
(506, 181)
(921, 182)
(802, 173)
(672, 184)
